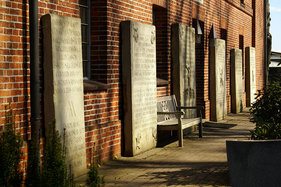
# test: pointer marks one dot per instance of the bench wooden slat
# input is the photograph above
(169, 113)
(173, 124)
(175, 121)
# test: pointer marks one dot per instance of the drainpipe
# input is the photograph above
(265, 43)
(34, 85)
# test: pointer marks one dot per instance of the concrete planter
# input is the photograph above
(254, 162)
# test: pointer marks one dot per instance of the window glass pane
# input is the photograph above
(241, 46)
(83, 2)
(84, 15)
(153, 16)
(81, 13)
(84, 51)
(84, 8)
(85, 68)
(84, 33)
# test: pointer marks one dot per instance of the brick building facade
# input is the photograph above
(240, 23)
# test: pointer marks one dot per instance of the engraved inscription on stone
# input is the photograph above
(139, 83)
(184, 72)
(250, 75)
(63, 85)
(236, 81)
(217, 79)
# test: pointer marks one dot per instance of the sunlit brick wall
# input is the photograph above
(104, 106)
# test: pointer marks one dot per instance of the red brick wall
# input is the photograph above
(259, 44)
(103, 108)
(103, 127)
(14, 59)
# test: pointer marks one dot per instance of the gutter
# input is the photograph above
(34, 86)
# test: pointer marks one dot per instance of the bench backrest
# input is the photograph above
(166, 104)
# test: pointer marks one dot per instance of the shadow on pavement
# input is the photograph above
(175, 173)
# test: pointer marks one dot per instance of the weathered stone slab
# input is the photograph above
(250, 75)
(236, 81)
(184, 70)
(63, 85)
(217, 79)
(139, 83)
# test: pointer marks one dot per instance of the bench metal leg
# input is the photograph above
(180, 133)
(200, 124)
(200, 130)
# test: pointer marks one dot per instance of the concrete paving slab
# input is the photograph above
(201, 162)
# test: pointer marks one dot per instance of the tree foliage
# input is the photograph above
(266, 113)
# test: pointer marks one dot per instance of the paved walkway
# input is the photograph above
(201, 162)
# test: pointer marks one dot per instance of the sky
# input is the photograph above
(275, 25)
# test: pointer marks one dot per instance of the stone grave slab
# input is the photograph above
(184, 69)
(63, 86)
(250, 66)
(236, 81)
(217, 79)
(139, 86)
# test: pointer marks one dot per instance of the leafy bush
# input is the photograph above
(94, 180)
(266, 113)
(54, 170)
(10, 153)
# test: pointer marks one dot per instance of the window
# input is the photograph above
(241, 46)
(84, 9)
(223, 35)
(159, 20)
(242, 3)
(199, 57)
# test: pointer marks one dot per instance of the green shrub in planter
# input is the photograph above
(10, 153)
(266, 113)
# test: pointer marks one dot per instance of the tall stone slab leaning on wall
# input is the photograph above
(184, 69)
(139, 86)
(63, 86)
(250, 66)
(236, 81)
(217, 79)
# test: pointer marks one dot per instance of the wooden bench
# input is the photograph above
(169, 117)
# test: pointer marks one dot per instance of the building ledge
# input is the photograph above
(90, 85)
(162, 82)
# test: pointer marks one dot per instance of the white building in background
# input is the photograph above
(275, 66)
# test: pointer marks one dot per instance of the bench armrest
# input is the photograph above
(190, 107)
(176, 112)
(186, 107)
